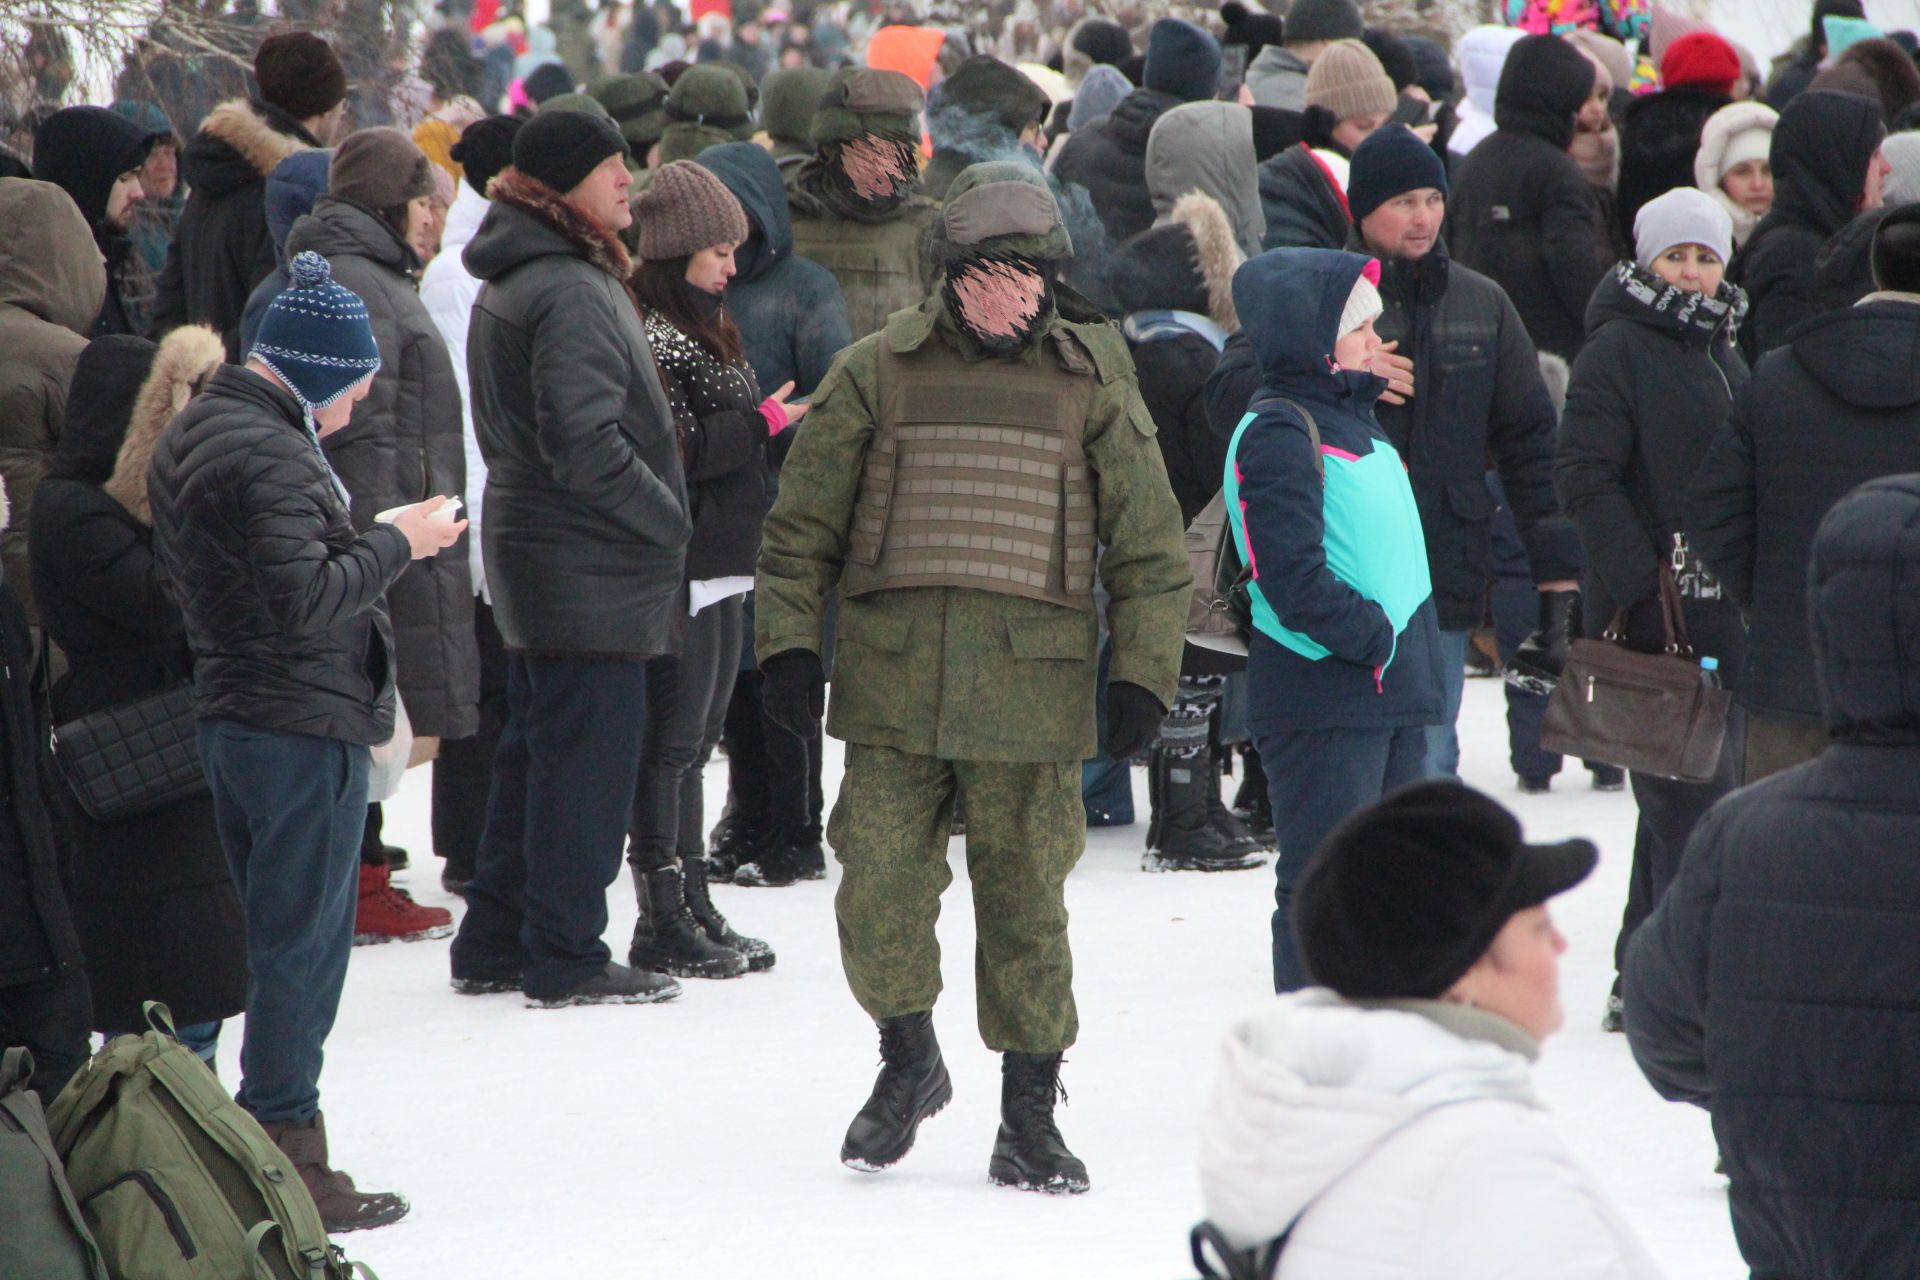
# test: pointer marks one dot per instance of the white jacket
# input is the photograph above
(1483, 56)
(1408, 1143)
(448, 290)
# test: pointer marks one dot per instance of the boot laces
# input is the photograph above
(1036, 1088)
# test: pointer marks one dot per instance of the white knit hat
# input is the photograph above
(1684, 215)
(1363, 304)
(1748, 144)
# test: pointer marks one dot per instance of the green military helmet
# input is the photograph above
(585, 104)
(637, 103)
(711, 96)
(1000, 207)
(860, 100)
(788, 98)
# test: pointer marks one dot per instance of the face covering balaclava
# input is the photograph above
(1001, 301)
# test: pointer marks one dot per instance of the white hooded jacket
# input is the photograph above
(1731, 123)
(448, 290)
(1400, 1141)
(1483, 56)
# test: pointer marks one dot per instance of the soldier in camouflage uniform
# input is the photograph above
(857, 207)
(956, 478)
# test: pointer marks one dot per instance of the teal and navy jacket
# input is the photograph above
(1345, 629)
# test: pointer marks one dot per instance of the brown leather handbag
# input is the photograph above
(1649, 712)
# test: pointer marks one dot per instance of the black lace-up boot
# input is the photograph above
(700, 901)
(1030, 1154)
(667, 938)
(912, 1085)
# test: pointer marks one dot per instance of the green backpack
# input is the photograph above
(41, 1233)
(175, 1180)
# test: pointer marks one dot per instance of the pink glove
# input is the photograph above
(776, 415)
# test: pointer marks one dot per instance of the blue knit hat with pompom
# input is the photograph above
(316, 335)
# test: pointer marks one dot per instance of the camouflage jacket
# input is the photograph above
(956, 672)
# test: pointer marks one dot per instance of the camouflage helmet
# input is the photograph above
(1000, 206)
(711, 96)
(861, 101)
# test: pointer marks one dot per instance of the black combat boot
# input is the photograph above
(700, 901)
(614, 984)
(1239, 837)
(666, 937)
(1252, 803)
(912, 1085)
(1188, 839)
(1030, 1153)
(735, 839)
(783, 860)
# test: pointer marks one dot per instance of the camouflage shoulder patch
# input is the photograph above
(1100, 344)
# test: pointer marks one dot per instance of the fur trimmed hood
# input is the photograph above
(1185, 263)
(497, 248)
(240, 142)
(186, 360)
(1214, 250)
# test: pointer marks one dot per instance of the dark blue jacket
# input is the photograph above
(1324, 653)
(1774, 984)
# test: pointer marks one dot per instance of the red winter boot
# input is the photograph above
(385, 913)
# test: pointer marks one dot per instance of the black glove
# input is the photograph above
(1536, 665)
(794, 690)
(1133, 719)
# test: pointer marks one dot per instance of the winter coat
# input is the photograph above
(1480, 403)
(1773, 984)
(1345, 634)
(1656, 380)
(1109, 159)
(404, 445)
(1483, 56)
(1278, 78)
(587, 522)
(1400, 1140)
(1521, 213)
(1208, 147)
(723, 442)
(1304, 206)
(1710, 161)
(789, 310)
(153, 899)
(1820, 153)
(222, 249)
(1843, 273)
(283, 601)
(1792, 80)
(1837, 406)
(51, 286)
(1658, 145)
(447, 291)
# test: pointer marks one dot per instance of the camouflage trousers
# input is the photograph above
(1026, 828)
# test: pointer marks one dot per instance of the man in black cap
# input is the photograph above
(986, 110)
(585, 546)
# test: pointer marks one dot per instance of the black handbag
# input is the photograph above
(130, 758)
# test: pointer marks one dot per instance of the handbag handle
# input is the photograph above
(1673, 618)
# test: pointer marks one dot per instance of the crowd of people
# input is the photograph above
(601, 394)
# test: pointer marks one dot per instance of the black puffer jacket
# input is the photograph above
(1819, 153)
(1658, 141)
(1304, 207)
(587, 526)
(405, 444)
(1653, 385)
(723, 441)
(283, 601)
(1109, 159)
(1774, 982)
(1521, 213)
(1843, 273)
(1835, 407)
(221, 248)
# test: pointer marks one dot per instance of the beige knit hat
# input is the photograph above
(683, 210)
(1348, 81)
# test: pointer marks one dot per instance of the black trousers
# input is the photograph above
(462, 773)
(687, 696)
(773, 773)
(53, 1018)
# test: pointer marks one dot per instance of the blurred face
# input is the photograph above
(338, 414)
(1519, 976)
(1874, 194)
(602, 194)
(424, 227)
(125, 194)
(1593, 112)
(1355, 351)
(711, 268)
(1407, 226)
(1692, 267)
(1749, 184)
(161, 172)
(1354, 130)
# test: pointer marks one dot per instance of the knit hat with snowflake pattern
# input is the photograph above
(316, 335)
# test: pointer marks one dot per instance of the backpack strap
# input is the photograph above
(1313, 428)
(16, 1068)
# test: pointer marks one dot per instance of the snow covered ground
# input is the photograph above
(701, 1137)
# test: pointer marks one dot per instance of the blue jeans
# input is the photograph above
(1316, 777)
(1443, 744)
(299, 803)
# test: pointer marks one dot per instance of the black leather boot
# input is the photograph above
(912, 1085)
(785, 859)
(666, 937)
(1187, 837)
(1239, 837)
(700, 901)
(1029, 1153)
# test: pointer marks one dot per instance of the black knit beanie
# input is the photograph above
(299, 73)
(1391, 161)
(1104, 41)
(560, 148)
(485, 149)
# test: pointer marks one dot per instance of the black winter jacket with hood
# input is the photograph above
(1838, 405)
(1658, 141)
(1109, 160)
(1820, 152)
(403, 445)
(1520, 212)
(1304, 206)
(153, 899)
(284, 602)
(221, 248)
(586, 531)
(1774, 982)
(1646, 397)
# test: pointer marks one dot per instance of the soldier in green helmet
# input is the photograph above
(961, 477)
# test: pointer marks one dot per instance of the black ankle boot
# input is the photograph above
(735, 839)
(912, 1085)
(700, 901)
(1251, 803)
(1029, 1153)
(666, 937)
(1187, 839)
(1239, 837)
(785, 859)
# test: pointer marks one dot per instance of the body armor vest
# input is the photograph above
(878, 264)
(976, 478)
